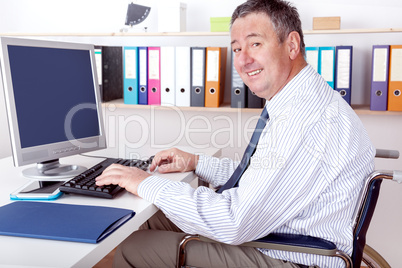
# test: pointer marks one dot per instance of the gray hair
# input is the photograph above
(284, 17)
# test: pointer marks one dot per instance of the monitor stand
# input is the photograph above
(52, 170)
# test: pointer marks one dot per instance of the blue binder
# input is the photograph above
(327, 65)
(343, 71)
(143, 75)
(77, 223)
(130, 75)
(379, 78)
(313, 57)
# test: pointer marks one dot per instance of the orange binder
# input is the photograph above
(215, 76)
(395, 78)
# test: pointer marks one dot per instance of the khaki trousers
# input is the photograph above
(156, 244)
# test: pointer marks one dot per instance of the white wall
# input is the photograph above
(108, 15)
(174, 127)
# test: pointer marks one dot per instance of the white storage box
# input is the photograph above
(172, 17)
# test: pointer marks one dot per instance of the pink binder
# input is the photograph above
(154, 75)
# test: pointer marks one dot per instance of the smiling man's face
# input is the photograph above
(261, 61)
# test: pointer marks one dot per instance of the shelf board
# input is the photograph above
(225, 108)
(102, 34)
(365, 110)
(354, 31)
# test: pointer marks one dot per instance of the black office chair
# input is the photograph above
(313, 245)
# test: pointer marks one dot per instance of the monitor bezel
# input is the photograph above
(54, 150)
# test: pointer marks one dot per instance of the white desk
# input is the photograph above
(29, 252)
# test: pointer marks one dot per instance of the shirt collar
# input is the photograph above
(289, 92)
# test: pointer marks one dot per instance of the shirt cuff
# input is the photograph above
(149, 188)
(202, 165)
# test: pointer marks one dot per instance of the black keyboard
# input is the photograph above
(84, 183)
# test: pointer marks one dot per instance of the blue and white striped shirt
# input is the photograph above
(304, 177)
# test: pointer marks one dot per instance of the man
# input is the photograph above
(304, 176)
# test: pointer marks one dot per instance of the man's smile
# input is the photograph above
(254, 72)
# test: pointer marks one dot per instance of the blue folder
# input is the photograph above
(313, 57)
(143, 75)
(78, 223)
(379, 78)
(327, 64)
(343, 71)
(130, 75)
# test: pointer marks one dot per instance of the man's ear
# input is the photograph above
(293, 42)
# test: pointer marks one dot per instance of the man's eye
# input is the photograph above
(236, 50)
(256, 44)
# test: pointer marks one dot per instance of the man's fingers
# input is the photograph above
(169, 167)
(161, 158)
(111, 175)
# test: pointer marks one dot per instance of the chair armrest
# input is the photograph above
(397, 176)
(290, 242)
(384, 153)
(296, 243)
(284, 242)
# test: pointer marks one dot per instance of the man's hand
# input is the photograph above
(174, 160)
(171, 160)
(126, 177)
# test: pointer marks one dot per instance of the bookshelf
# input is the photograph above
(360, 109)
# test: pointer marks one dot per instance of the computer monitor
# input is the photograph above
(53, 104)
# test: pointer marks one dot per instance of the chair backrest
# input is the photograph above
(365, 213)
(368, 200)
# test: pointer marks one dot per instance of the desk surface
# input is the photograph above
(29, 252)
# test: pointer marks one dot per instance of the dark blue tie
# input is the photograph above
(247, 154)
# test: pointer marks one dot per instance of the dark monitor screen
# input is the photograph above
(48, 85)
